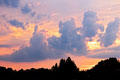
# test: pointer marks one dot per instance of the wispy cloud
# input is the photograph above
(10, 3)
(5, 46)
(16, 23)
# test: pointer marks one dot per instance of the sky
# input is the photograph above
(38, 33)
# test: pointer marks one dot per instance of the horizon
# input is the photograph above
(39, 33)
(58, 64)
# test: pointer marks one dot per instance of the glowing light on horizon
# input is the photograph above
(93, 45)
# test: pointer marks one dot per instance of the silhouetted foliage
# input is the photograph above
(108, 69)
(66, 70)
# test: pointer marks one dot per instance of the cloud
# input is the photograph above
(106, 55)
(4, 31)
(90, 25)
(38, 50)
(106, 52)
(115, 48)
(111, 33)
(26, 9)
(69, 41)
(10, 3)
(35, 30)
(33, 14)
(111, 52)
(16, 23)
(5, 46)
(41, 49)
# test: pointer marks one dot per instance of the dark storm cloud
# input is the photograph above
(69, 41)
(90, 25)
(10, 3)
(111, 33)
(16, 23)
(26, 9)
(38, 50)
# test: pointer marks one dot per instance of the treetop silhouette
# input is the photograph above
(108, 69)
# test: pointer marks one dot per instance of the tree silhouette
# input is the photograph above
(108, 69)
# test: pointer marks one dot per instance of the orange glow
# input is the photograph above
(93, 45)
(83, 63)
(24, 34)
(4, 51)
(50, 28)
(117, 42)
(27, 65)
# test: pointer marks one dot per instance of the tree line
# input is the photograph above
(108, 69)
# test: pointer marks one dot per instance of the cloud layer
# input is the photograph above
(112, 52)
(72, 39)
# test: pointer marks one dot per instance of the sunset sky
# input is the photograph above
(38, 33)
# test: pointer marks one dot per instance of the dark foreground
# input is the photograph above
(108, 69)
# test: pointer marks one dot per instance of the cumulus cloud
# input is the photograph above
(26, 9)
(111, 33)
(10, 3)
(56, 47)
(69, 41)
(16, 23)
(38, 50)
(90, 25)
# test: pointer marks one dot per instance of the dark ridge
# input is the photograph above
(108, 69)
